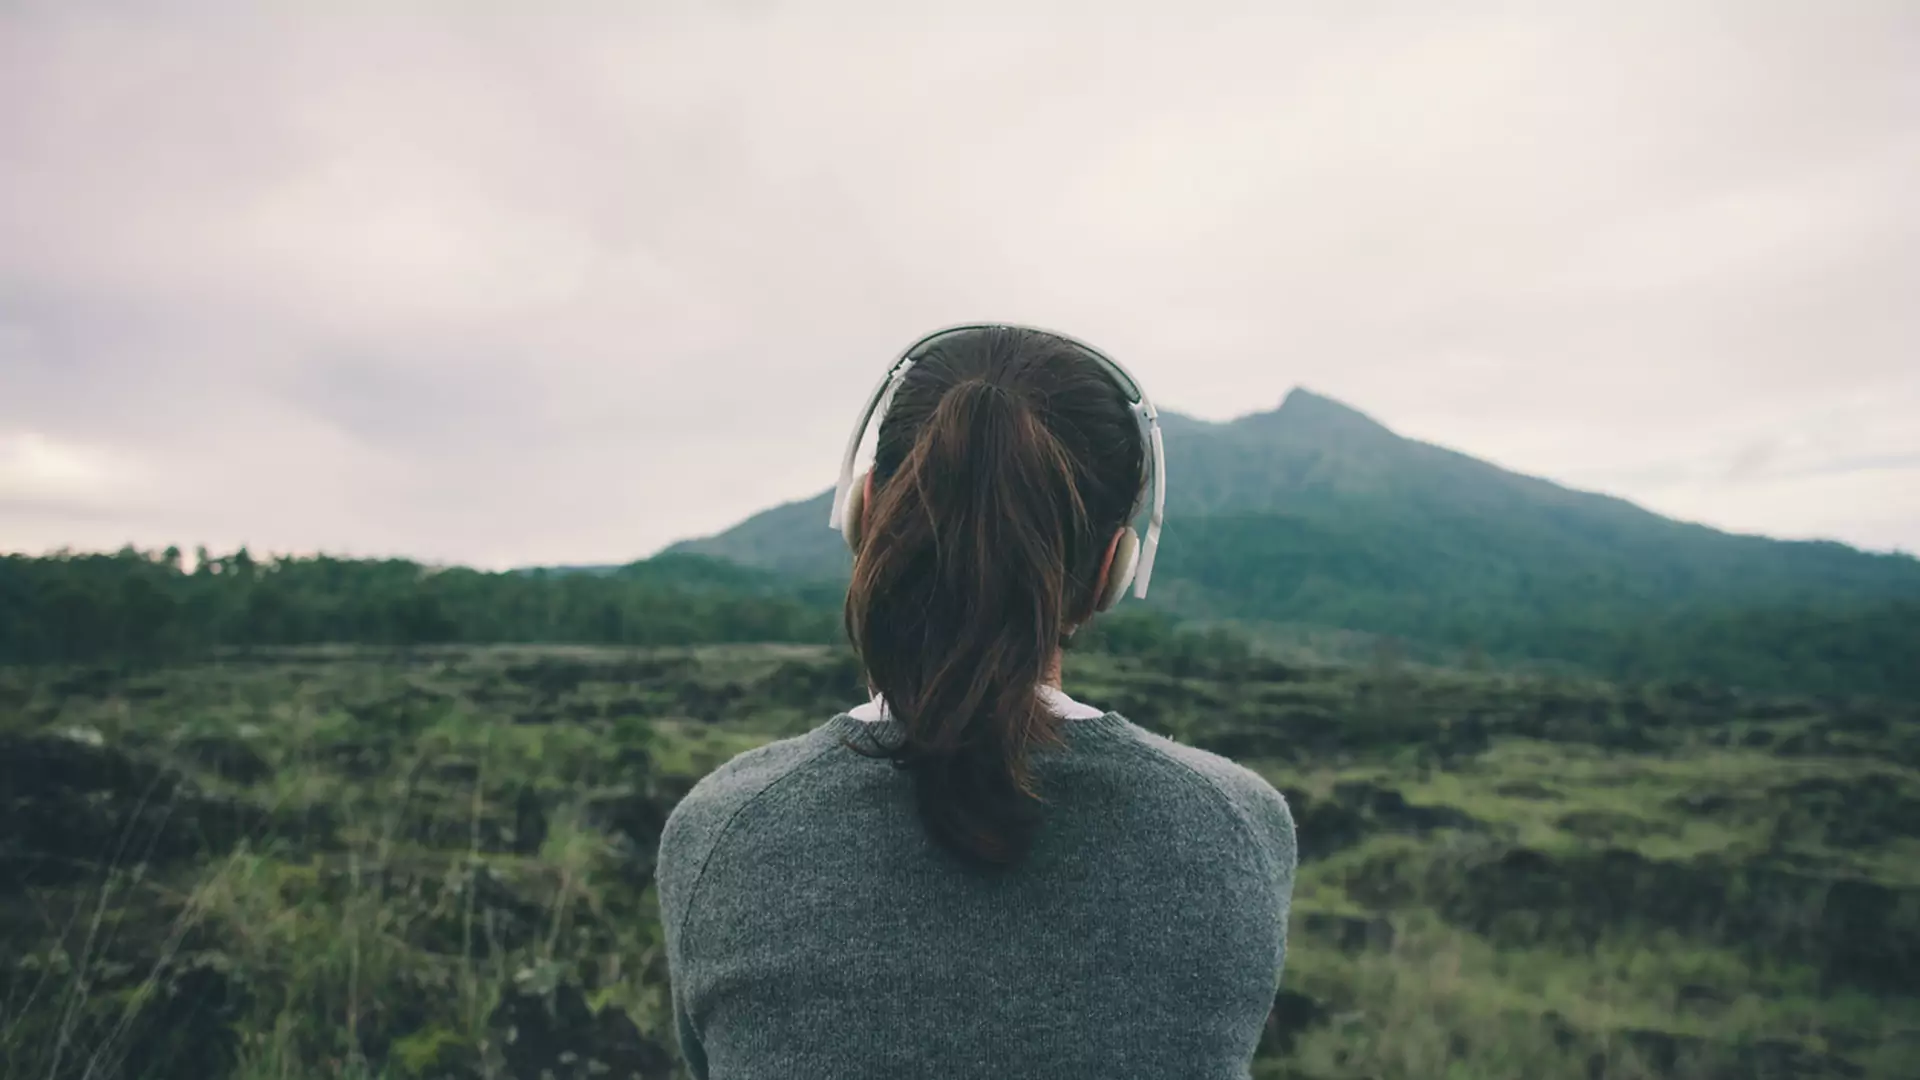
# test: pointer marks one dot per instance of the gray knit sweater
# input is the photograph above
(814, 932)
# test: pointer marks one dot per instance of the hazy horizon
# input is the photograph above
(615, 559)
(501, 288)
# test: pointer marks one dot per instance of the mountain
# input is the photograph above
(792, 538)
(1315, 514)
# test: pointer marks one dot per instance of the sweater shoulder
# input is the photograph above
(1250, 797)
(701, 818)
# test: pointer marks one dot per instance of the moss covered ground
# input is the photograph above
(341, 862)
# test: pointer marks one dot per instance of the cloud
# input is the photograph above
(34, 465)
(499, 286)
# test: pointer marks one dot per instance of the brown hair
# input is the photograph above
(1004, 466)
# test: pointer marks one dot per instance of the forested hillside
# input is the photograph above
(138, 606)
(1314, 514)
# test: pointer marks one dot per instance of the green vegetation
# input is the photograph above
(144, 606)
(408, 862)
(1765, 624)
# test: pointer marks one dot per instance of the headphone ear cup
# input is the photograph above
(1126, 559)
(856, 505)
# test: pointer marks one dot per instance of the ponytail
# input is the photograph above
(961, 589)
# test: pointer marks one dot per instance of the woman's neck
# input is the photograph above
(1051, 677)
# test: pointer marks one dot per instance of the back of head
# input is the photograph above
(1005, 466)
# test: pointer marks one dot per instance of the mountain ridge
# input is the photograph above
(1315, 514)
(1302, 415)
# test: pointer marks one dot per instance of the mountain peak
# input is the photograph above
(1305, 411)
(1302, 403)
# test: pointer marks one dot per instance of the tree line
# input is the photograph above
(138, 605)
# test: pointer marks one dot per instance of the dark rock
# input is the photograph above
(553, 676)
(454, 771)
(627, 706)
(1643, 1052)
(1805, 744)
(359, 760)
(1267, 670)
(529, 820)
(1856, 933)
(1348, 933)
(1525, 789)
(1358, 810)
(633, 820)
(1782, 709)
(1780, 1059)
(512, 820)
(71, 808)
(1563, 1034)
(1323, 828)
(474, 912)
(1658, 1050)
(494, 691)
(1702, 804)
(1292, 1015)
(406, 711)
(189, 1024)
(1701, 693)
(229, 757)
(158, 998)
(1700, 996)
(673, 788)
(1278, 726)
(89, 682)
(554, 1033)
(1606, 825)
(1862, 722)
(1860, 811)
(313, 827)
(708, 703)
(1391, 809)
(811, 685)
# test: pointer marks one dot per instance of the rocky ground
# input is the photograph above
(351, 863)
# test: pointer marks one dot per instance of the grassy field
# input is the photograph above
(436, 863)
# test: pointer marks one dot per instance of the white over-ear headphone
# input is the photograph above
(1132, 558)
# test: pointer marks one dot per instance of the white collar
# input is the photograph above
(1063, 706)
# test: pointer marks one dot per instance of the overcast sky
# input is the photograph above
(504, 287)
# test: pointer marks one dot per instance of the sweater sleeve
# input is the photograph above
(1273, 825)
(685, 843)
(1266, 815)
(696, 826)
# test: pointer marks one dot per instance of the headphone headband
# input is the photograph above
(1143, 411)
